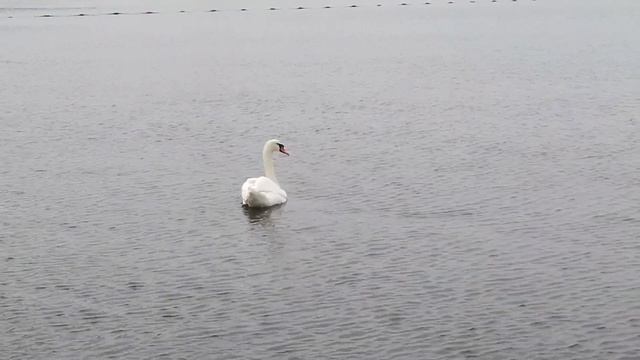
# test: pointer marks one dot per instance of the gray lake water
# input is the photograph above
(464, 180)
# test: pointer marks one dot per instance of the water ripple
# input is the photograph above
(456, 190)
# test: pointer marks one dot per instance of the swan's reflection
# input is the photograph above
(263, 216)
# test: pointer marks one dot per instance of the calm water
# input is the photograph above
(463, 181)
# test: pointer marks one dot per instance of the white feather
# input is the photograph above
(264, 191)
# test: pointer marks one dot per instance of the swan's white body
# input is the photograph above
(264, 191)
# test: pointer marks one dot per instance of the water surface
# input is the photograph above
(463, 181)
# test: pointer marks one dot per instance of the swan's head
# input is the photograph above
(274, 145)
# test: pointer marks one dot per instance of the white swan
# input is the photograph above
(264, 191)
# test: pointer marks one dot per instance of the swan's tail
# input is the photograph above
(255, 198)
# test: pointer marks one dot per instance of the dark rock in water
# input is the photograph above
(213, 10)
(353, 5)
(243, 9)
(300, 8)
(115, 13)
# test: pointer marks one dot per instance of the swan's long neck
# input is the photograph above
(267, 160)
